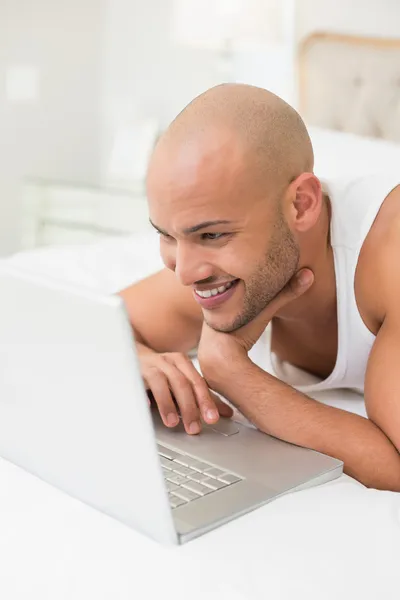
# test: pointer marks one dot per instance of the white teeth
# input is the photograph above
(214, 291)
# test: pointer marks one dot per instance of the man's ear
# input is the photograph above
(305, 193)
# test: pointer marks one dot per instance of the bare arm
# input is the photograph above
(369, 447)
(164, 315)
(276, 408)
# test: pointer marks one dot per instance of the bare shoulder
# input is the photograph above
(164, 314)
(377, 279)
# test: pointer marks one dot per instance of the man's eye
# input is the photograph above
(212, 236)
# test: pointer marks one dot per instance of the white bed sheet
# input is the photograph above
(338, 540)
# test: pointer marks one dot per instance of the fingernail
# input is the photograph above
(304, 277)
(194, 427)
(212, 414)
(172, 419)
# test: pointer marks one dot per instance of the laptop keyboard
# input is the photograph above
(188, 478)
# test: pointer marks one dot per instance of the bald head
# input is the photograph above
(269, 134)
(222, 189)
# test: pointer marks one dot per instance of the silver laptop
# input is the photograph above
(74, 412)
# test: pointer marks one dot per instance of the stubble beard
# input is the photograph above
(280, 264)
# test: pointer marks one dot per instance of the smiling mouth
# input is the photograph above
(216, 297)
(215, 291)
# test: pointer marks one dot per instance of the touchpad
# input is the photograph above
(223, 426)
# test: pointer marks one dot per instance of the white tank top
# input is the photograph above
(355, 205)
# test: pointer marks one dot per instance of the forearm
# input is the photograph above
(281, 411)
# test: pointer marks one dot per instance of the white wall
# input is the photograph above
(147, 73)
(58, 136)
(104, 63)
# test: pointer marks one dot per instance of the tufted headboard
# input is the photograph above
(351, 84)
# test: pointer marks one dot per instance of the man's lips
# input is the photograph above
(215, 301)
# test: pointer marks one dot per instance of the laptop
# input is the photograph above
(74, 412)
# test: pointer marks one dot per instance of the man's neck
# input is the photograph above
(319, 302)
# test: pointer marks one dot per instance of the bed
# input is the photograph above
(339, 540)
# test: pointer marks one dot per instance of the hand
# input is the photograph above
(216, 348)
(172, 376)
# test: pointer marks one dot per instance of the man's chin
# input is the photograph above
(225, 326)
(234, 323)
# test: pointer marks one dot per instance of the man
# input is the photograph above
(248, 238)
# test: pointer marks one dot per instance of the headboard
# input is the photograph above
(351, 84)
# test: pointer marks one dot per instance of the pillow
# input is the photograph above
(107, 266)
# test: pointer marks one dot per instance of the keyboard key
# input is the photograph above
(175, 478)
(177, 468)
(181, 470)
(166, 452)
(165, 463)
(196, 476)
(201, 466)
(229, 478)
(195, 486)
(214, 484)
(187, 495)
(175, 501)
(214, 472)
(182, 460)
(171, 486)
(186, 461)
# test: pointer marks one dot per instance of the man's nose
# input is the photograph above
(190, 265)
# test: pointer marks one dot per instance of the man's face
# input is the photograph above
(237, 266)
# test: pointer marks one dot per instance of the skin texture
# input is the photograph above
(229, 168)
(241, 155)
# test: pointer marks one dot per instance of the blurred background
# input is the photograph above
(86, 87)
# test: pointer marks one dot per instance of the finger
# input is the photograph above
(206, 402)
(224, 409)
(157, 383)
(185, 398)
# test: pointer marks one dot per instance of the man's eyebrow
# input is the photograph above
(198, 227)
(157, 228)
(204, 225)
